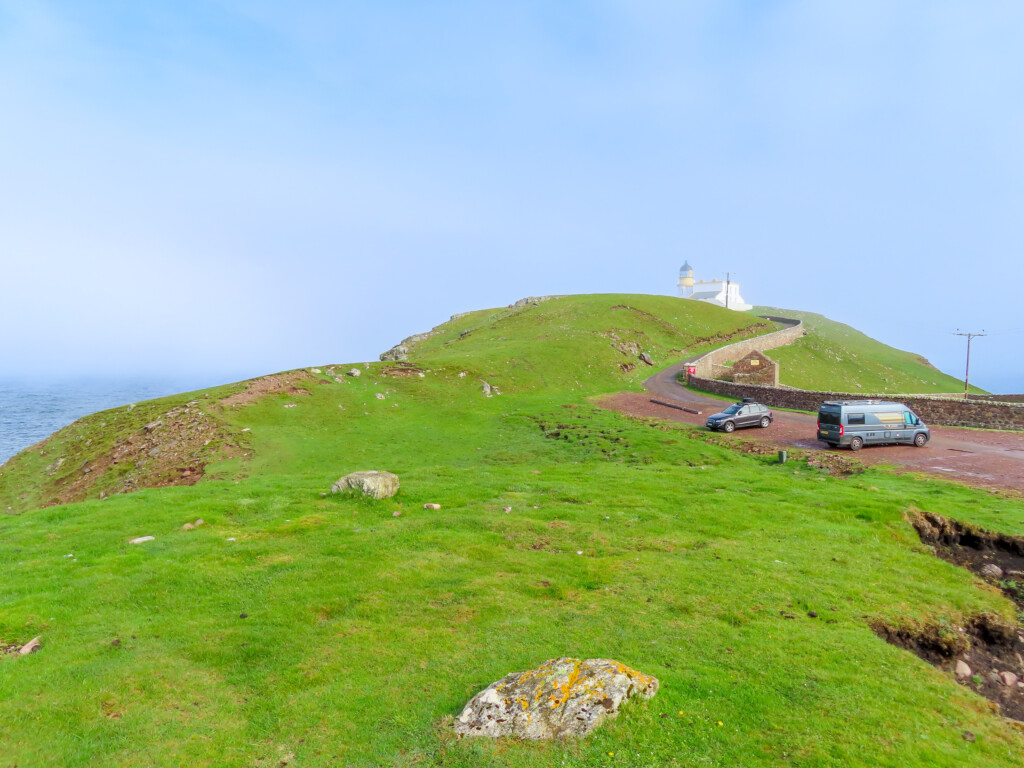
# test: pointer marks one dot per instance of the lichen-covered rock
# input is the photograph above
(375, 483)
(560, 698)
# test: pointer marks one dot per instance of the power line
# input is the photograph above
(967, 370)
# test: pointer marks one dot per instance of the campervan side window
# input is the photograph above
(855, 418)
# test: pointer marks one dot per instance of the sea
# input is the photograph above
(33, 409)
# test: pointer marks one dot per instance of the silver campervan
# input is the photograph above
(856, 423)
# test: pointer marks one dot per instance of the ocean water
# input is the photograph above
(33, 409)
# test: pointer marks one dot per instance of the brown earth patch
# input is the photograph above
(278, 383)
(991, 648)
(401, 370)
(171, 451)
(995, 557)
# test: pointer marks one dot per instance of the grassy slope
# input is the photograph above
(365, 632)
(836, 357)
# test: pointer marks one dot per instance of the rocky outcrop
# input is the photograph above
(375, 483)
(396, 353)
(560, 698)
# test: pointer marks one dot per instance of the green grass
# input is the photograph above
(365, 633)
(835, 357)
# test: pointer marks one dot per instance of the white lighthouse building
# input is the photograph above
(724, 293)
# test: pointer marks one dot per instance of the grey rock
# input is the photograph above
(153, 425)
(645, 358)
(375, 483)
(142, 539)
(355, 372)
(1009, 679)
(963, 671)
(560, 698)
(486, 389)
(991, 571)
(31, 646)
(397, 353)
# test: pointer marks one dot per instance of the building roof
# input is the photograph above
(685, 268)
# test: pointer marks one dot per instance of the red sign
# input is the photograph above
(692, 370)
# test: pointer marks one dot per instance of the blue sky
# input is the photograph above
(235, 188)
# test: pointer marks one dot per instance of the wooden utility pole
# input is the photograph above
(967, 370)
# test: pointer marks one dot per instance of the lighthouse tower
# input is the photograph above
(685, 280)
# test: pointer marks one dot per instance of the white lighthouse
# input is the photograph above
(724, 293)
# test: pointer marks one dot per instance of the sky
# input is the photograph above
(229, 188)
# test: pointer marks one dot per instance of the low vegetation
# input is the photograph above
(835, 357)
(298, 628)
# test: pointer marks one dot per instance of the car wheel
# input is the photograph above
(765, 421)
(920, 439)
(728, 426)
(856, 444)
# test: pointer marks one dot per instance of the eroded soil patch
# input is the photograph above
(278, 383)
(984, 653)
(995, 557)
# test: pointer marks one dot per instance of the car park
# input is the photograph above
(855, 423)
(746, 413)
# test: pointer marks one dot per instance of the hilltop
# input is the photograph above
(297, 627)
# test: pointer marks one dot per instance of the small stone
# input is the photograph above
(397, 513)
(199, 521)
(1009, 679)
(290, 405)
(115, 642)
(230, 539)
(968, 736)
(431, 506)
(812, 614)
(506, 509)
(991, 571)
(188, 527)
(355, 372)
(579, 551)
(963, 672)
(153, 425)
(142, 539)
(31, 646)
(380, 396)
(243, 615)
(315, 370)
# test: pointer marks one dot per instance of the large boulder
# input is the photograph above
(558, 699)
(375, 483)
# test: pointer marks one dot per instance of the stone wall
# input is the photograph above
(756, 368)
(934, 410)
(712, 364)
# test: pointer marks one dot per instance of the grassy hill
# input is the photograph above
(297, 628)
(838, 358)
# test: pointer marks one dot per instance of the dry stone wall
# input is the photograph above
(712, 363)
(934, 410)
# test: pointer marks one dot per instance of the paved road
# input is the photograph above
(977, 457)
